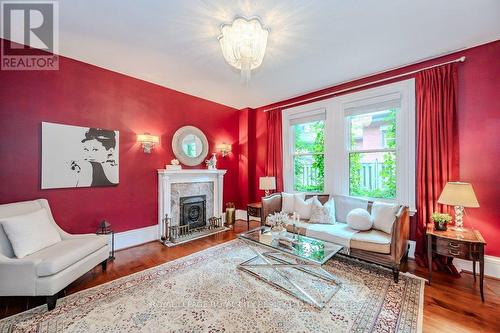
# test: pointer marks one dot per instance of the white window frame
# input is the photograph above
(288, 117)
(405, 137)
(336, 138)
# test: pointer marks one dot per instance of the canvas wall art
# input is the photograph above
(74, 156)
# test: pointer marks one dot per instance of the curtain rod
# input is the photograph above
(331, 94)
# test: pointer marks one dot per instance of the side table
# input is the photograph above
(254, 209)
(105, 229)
(467, 245)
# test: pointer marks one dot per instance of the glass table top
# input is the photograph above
(305, 248)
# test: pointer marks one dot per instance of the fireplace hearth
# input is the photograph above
(192, 221)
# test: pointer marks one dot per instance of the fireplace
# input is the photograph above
(193, 211)
(190, 204)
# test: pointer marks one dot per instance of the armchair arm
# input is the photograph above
(17, 276)
(270, 205)
(400, 234)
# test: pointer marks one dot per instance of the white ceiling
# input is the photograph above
(312, 44)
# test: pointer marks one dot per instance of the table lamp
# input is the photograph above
(267, 184)
(460, 195)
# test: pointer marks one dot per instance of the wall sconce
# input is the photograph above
(224, 148)
(148, 141)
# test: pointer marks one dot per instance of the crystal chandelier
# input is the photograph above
(243, 44)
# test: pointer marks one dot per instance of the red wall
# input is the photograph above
(85, 95)
(479, 125)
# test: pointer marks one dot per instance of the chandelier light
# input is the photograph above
(243, 44)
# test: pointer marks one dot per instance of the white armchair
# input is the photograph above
(48, 271)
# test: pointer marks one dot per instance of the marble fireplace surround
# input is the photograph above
(173, 184)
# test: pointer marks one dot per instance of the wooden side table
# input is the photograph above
(254, 209)
(468, 245)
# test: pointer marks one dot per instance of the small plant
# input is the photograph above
(440, 220)
(441, 217)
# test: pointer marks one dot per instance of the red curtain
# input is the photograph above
(437, 150)
(274, 157)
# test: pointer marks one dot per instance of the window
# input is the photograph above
(308, 156)
(360, 144)
(372, 154)
(304, 152)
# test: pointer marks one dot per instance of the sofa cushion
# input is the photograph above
(344, 204)
(373, 241)
(340, 233)
(359, 219)
(303, 207)
(383, 215)
(288, 201)
(63, 254)
(29, 233)
(322, 214)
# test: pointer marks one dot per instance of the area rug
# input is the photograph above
(204, 292)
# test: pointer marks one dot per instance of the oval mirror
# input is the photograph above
(190, 145)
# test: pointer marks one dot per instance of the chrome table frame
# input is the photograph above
(301, 264)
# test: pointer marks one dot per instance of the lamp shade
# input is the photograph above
(458, 194)
(267, 183)
(148, 138)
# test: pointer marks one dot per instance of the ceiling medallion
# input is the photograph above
(243, 44)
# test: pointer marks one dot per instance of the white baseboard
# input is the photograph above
(491, 263)
(411, 251)
(491, 266)
(135, 237)
(242, 215)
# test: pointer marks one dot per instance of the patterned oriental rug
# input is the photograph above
(204, 292)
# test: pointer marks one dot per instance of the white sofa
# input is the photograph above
(48, 271)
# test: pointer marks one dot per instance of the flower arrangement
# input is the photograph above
(440, 220)
(278, 222)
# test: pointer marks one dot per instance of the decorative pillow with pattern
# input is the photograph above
(322, 214)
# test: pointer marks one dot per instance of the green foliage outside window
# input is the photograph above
(388, 171)
(309, 168)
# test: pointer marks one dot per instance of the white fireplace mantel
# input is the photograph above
(168, 177)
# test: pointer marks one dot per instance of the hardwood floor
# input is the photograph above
(450, 304)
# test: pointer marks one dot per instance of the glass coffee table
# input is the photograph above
(294, 252)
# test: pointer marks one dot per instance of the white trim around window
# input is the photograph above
(297, 115)
(336, 136)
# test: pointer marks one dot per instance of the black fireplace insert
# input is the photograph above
(193, 211)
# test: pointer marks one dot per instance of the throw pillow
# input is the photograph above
(303, 207)
(29, 233)
(359, 219)
(322, 214)
(383, 215)
(288, 201)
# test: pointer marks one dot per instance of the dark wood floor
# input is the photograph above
(451, 304)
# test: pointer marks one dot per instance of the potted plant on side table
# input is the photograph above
(440, 220)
